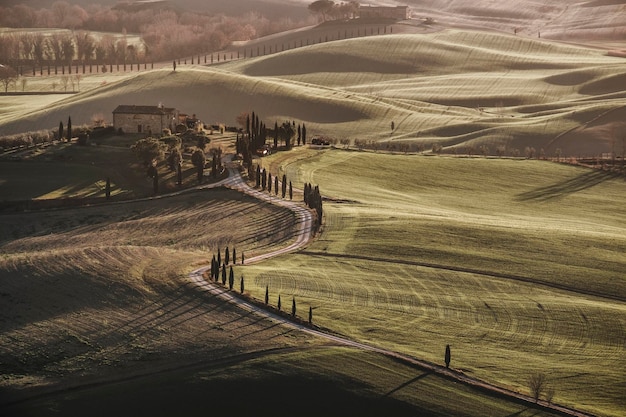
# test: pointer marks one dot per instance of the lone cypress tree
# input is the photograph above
(267, 294)
(242, 286)
(293, 307)
(310, 315)
(279, 304)
(242, 258)
(447, 356)
(69, 129)
(107, 189)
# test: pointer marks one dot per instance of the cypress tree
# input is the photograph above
(213, 261)
(293, 307)
(60, 130)
(231, 278)
(219, 256)
(242, 258)
(258, 176)
(284, 185)
(226, 256)
(108, 189)
(275, 135)
(234, 256)
(299, 135)
(267, 294)
(447, 356)
(269, 183)
(310, 315)
(223, 274)
(242, 286)
(290, 191)
(276, 185)
(69, 129)
(303, 134)
(279, 304)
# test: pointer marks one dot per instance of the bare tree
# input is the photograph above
(64, 81)
(537, 384)
(8, 76)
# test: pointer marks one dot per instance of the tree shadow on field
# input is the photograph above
(406, 384)
(567, 187)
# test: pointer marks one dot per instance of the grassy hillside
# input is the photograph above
(460, 89)
(98, 314)
(518, 265)
(102, 292)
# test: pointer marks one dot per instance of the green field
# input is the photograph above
(518, 265)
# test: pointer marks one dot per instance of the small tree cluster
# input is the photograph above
(313, 199)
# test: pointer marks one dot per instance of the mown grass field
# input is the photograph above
(518, 265)
(98, 314)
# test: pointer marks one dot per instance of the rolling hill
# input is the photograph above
(457, 88)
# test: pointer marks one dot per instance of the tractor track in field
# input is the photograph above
(491, 274)
(304, 219)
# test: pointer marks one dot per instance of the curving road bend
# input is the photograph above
(305, 222)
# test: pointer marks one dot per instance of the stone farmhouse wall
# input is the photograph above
(144, 119)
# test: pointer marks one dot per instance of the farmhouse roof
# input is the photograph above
(132, 109)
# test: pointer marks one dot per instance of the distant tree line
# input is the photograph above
(164, 33)
(329, 10)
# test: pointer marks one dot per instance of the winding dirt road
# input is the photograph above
(304, 219)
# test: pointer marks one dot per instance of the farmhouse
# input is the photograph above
(398, 12)
(144, 119)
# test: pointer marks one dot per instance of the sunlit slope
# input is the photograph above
(577, 20)
(519, 265)
(460, 87)
(457, 88)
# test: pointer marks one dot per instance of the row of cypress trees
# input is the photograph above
(218, 273)
(313, 199)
